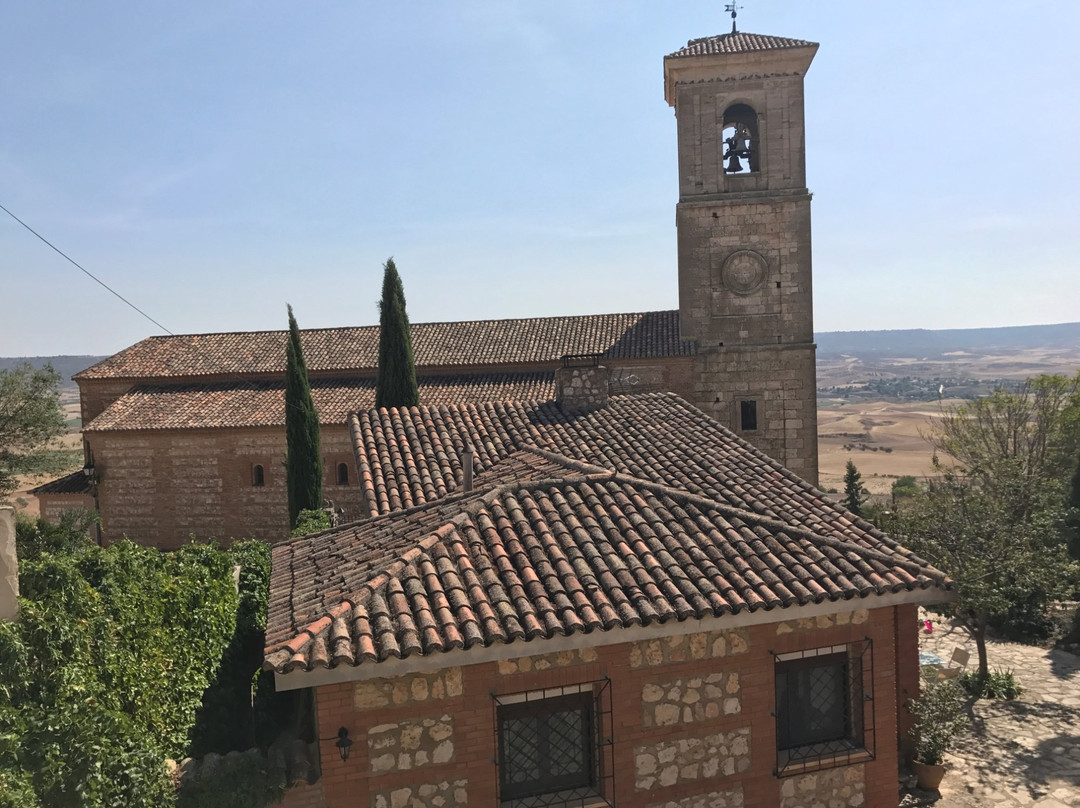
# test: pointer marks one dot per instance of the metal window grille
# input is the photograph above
(824, 707)
(555, 747)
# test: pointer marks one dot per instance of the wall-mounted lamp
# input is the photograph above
(343, 743)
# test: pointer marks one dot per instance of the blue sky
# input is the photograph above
(214, 160)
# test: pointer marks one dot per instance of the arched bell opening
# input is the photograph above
(740, 136)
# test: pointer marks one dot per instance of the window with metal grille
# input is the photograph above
(554, 747)
(342, 473)
(258, 476)
(824, 710)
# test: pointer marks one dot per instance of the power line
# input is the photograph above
(85, 271)
(191, 345)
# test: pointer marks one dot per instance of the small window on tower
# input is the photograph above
(747, 416)
(258, 476)
(342, 473)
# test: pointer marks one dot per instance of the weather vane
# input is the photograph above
(734, 9)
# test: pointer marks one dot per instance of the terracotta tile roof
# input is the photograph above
(588, 550)
(74, 483)
(334, 350)
(211, 405)
(409, 457)
(739, 42)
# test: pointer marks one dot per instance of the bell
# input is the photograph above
(734, 166)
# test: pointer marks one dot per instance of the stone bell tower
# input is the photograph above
(743, 221)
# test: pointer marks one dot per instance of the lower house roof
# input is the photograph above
(548, 547)
(75, 483)
(644, 513)
(411, 456)
(213, 405)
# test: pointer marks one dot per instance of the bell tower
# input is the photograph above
(743, 221)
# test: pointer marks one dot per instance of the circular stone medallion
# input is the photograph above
(744, 272)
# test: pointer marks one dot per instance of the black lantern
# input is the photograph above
(343, 743)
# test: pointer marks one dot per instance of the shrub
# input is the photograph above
(234, 781)
(1000, 684)
(939, 717)
(311, 521)
(33, 537)
(101, 676)
(226, 721)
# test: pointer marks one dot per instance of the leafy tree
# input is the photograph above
(905, 487)
(1029, 437)
(102, 675)
(395, 381)
(36, 536)
(855, 493)
(303, 459)
(30, 419)
(996, 554)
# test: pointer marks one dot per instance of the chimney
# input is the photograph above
(581, 384)
(9, 566)
(467, 459)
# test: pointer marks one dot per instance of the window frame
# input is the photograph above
(258, 475)
(597, 750)
(855, 741)
(750, 404)
(338, 468)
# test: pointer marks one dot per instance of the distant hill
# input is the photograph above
(66, 366)
(919, 342)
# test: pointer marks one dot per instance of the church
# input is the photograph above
(184, 435)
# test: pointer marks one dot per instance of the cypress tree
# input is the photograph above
(855, 493)
(303, 458)
(395, 381)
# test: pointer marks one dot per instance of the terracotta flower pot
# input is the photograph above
(928, 775)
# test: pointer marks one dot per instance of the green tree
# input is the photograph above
(1027, 439)
(303, 458)
(905, 487)
(30, 419)
(102, 675)
(996, 553)
(395, 382)
(855, 493)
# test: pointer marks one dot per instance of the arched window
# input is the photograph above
(258, 476)
(740, 137)
(342, 473)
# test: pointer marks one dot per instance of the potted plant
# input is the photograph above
(939, 718)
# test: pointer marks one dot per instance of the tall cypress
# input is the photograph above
(395, 382)
(303, 458)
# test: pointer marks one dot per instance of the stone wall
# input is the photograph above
(689, 647)
(832, 788)
(544, 662)
(444, 794)
(416, 689)
(684, 701)
(689, 759)
(582, 389)
(411, 744)
(823, 621)
(732, 798)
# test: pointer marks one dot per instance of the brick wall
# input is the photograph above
(690, 719)
(161, 487)
(52, 506)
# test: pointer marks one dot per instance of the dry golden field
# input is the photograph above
(884, 439)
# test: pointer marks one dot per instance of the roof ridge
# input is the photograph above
(376, 325)
(787, 527)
